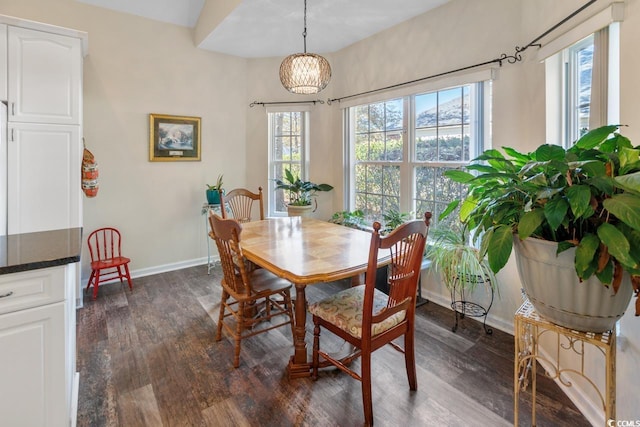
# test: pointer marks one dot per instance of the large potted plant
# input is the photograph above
(463, 269)
(577, 209)
(301, 193)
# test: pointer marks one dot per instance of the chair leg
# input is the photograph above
(91, 277)
(126, 270)
(96, 282)
(238, 336)
(316, 348)
(366, 388)
(410, 360)
(121, 274)
(225, 296)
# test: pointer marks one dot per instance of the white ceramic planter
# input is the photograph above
(299, 210)
(553, 287)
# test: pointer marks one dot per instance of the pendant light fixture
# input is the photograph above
(305, 73)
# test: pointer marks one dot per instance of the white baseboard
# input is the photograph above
(170, 267)
(591, 410)
(74, 399)
(505, 325)
(148, 272)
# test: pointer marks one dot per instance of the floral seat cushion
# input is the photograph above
(344, 310)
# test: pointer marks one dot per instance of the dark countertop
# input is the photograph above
(31, 251)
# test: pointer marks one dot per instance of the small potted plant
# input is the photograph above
(301, 193)
(577, 209)
(351, 219)
(213, 192)
(392, 219)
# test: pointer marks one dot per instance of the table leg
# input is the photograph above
(299, 366)
(357, 280)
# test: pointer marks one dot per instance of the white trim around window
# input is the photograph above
(288, 144)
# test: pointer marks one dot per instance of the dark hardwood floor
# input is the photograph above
(148, 358)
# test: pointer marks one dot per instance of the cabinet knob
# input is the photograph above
(7, 294)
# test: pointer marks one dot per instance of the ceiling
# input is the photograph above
(264, 28)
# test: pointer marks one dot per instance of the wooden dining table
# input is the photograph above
(306, 251)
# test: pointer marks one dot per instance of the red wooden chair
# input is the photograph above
(367, 318)
(107, 263)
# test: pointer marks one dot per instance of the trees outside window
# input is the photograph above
(399, 149)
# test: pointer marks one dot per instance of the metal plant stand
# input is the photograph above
(529, 331)
(461, 307)
(206, 207)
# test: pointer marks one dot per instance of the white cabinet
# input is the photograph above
(37, 380)
(44, 177)
(44, 77)
(3, 62)
(44, 89)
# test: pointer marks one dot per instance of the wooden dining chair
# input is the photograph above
(107, 262)
(248, 294)
(240, 203)
(367, 318)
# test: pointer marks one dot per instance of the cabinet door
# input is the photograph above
(43, 177)
(3, 62)
(45, 72)
(32, 367)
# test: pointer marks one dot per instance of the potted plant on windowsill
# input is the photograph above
(351, 219)
(213, 192)
(582, 204)
(301, 193)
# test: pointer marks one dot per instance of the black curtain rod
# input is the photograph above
(316, 101)
(511, 59)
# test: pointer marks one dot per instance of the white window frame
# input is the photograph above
(274, 210)
(556, 92)
(481, 125)
(571, 92)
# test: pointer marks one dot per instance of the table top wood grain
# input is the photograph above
(306, 251)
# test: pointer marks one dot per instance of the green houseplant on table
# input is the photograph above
(581, 204)
(213, 192)
(301, 193)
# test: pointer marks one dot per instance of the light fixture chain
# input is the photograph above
(304, 33)
(305, 73)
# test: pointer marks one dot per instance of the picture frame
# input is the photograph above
(174, 138)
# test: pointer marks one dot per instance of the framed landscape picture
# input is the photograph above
(174, 138)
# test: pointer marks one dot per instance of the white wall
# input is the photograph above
(461, 33)
(628, 361)
(263, 85)
(136, 67)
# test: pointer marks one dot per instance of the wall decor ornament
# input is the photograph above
(174, 138)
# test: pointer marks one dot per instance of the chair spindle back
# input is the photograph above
(406, 245)
(226, 233)
(240, 203)
(104, 244)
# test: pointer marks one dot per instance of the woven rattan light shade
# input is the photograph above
(305, 73)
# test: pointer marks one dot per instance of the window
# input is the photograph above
(578, 65)
(400, 148)
(581, 86)
(287, 150)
